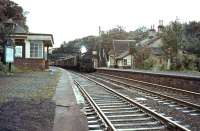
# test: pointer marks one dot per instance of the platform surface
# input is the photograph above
(68, 115)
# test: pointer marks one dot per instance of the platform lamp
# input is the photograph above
(8, 46)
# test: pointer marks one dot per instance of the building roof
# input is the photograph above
(157, 51)
(147, 41)
(156, 47)
(19, 29)
(20, 32)
(121, 46)
(122, 55)
(47, 38)
(154, 43)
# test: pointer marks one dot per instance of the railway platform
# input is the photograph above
(68, 114)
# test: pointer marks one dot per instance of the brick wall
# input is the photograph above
(33, 64)
(46, 64)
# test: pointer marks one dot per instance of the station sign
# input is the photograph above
(9, 54)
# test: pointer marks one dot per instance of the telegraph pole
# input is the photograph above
(99, 46)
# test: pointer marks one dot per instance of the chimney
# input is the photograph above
(152, 32)
(160, 26)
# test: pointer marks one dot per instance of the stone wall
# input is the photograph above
(191, 83)
(33, 64)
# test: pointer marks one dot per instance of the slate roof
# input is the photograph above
(157, 51)
(147, 41)
(154, 43)
(19, 29)
(156, 47)
(122, 55)
(121, 48)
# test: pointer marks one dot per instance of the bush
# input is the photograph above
(3, 68)
(148, 63)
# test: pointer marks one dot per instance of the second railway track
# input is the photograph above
(184, 113)
(114, 111)
(183, 97)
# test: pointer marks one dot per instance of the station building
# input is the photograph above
(31, 49)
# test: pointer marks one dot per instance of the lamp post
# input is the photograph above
(8, 46)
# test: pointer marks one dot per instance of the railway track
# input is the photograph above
(182, 113)
(153, 84)
(182, 97)
(110, 110)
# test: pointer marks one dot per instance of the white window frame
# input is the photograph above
(125, 62)
(36, 49)
(18, 51)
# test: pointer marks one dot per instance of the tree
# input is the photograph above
(107, 38)
(11, 10)
(172, 42)
(139, 34)
(192, 38)
(172, 38)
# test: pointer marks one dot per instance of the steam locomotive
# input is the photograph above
(81, 62)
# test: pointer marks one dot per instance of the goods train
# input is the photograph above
(83, 62)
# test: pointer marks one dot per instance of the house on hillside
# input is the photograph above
(124, 60)
(31, 49)
(150, 49)
(120, 56)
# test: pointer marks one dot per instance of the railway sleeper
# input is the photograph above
(127, 116)
(94, 127)
(118, 109)
(108, 104)
(114, 106)
(135, 120)
(121, 112)
(160, 128)
(136, 125)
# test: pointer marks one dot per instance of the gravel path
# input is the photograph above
(26, 101)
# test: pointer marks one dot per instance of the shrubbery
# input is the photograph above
(148, 63)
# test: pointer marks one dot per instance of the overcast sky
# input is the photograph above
(71, 19)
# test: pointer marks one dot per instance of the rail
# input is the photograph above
(109, 125)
